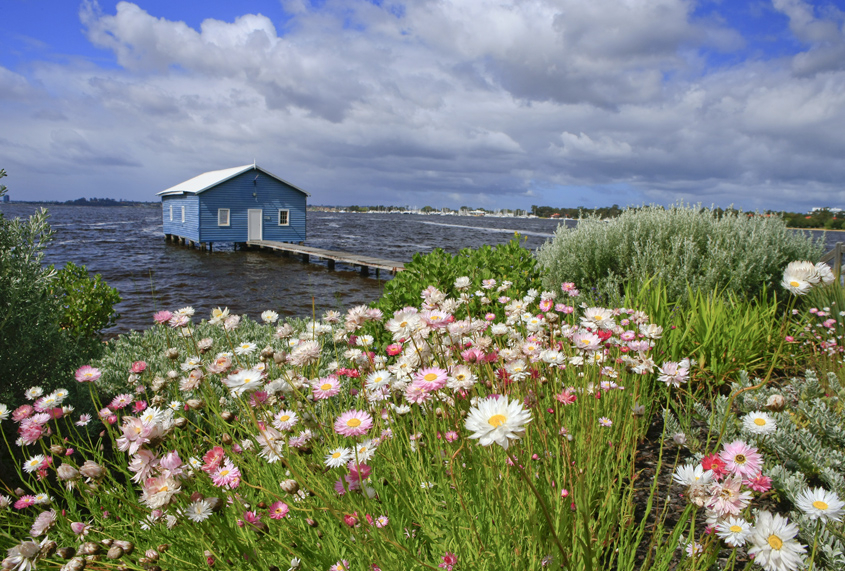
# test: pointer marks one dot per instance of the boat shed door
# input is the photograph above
(254, 228)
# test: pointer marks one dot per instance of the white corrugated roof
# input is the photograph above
(210, 179)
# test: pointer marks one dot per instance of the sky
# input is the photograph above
(447, 103)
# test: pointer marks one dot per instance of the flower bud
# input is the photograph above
(267, 352)
(180, 422)
(58, 449)
(127, 546)
(215, 503)
(205, 344)
(151, 554)
(310, 522)
(107, 542)
(194, 404)
(158, 384)
(67, 472)
(114, 552)
(66, 552)
(227, 440)
(163, 547)
(89, 548)
(92, 470)
(776, 403)
(290, 486)
(227, 416)
(48, 548)
(172, 353)
(157, 400)
(75, 564)
(279, 357)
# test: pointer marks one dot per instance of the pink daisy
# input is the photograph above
(121, 401)
(382, 521)
(24, 502)
(741, 459)
(431, 378)
(417, 393)
(87, 374)
(342, 565)
(278, 510)
(162, 317)
(759, 483)
(227, 475)
(353, 423)
(325, 388)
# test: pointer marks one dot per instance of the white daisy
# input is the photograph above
(4, 412)
(198, 511)
(243, 381)
(773, 543)
(497, 420)
(245, 348)
(32, 464)
(688, 475)
(270, 316)
(33, 393)
(365, 451)
(819, 503)
(378, 379)
(734, 530)
(338, 457)
(758, 422)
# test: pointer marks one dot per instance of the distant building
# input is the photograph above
(6, 198)
(238, 205)
(831, 210)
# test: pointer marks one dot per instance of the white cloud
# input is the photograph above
(461, 102)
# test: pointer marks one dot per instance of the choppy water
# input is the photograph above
(126, 245)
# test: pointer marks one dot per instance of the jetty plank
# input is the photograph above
(331, 255)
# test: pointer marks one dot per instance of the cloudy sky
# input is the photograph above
(493, 103)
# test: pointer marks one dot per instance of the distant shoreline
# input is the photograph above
(814, 229)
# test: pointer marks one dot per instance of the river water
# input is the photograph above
(126, 245)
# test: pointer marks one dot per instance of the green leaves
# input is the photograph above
(438, 268)
(87, 303)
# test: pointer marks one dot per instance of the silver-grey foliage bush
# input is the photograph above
(682, 245)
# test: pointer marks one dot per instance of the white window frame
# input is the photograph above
(287, 216)
(183, 214)
(171, 213)
(228, 216)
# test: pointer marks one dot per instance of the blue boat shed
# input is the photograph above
(238, 205)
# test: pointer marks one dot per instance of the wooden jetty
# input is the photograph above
(365, 263)
(835, 256)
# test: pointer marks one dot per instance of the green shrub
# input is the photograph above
(685, 246)
(440, 269)
(87, 302)
(49, 320)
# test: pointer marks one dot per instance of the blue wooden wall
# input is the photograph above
(236, 194)
(188, 229)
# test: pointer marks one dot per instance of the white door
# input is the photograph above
(254, 230)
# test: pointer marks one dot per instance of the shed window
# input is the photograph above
(222, 216)
(183, 214)
(284, 217)
(171, 213)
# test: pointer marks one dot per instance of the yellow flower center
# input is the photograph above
(284, 418)
(739, 459)
(820, 505)
(585, 341)
(430, 377)
(775, 542)
(497, 420)
(403, 324)
(336, 455)
(325, 386)
(760, 421)
(795, 283)
(163, 488)
(735, 529)
(353, 422)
